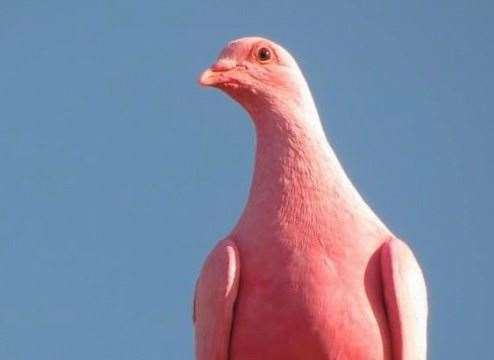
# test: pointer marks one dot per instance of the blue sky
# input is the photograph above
(118, 173)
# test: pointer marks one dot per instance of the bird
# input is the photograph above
(309, 271)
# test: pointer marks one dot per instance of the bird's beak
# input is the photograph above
(216, 74)
(208, 78)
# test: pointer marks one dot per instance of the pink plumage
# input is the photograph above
(309, 272)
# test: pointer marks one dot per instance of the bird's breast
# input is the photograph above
(309, 302)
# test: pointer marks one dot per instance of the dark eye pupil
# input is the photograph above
(264, 54)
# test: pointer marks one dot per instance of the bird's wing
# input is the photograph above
(406, 301)
(216, 292)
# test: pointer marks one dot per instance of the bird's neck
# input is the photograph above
(297, 176)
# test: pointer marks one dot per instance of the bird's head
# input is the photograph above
(257, 73)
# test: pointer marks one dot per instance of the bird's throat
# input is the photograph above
(297, 176)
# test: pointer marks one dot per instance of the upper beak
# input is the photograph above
(215, 74)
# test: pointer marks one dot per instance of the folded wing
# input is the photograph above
(216, 292)
(406, 301)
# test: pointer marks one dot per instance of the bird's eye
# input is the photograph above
(264, 54)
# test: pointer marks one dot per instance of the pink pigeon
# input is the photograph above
(309, 272)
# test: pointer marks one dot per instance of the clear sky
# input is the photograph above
(118, 173)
